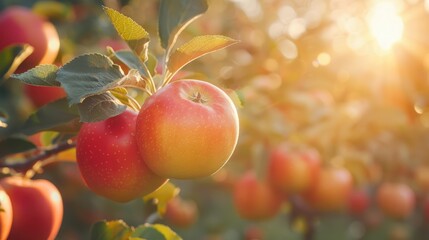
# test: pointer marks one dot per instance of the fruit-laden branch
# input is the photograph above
(23, 166)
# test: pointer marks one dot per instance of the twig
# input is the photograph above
(44, 154)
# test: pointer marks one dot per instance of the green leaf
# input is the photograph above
(122, 95)
(155, 232)
(130, 59)
(134, 34)
(50, 116)
(151, 64)
(99, 107)
(175, 15)
(14, 145)
(42, 75)
(112, 230)
(11, 57)
(88, 75)
(49, 137)
(197, 47)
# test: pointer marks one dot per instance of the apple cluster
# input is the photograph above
(186, 130)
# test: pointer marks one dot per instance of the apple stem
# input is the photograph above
(31, 161)
(198, 98)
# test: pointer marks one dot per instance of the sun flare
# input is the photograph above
(385, 24)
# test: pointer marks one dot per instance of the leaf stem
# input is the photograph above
(151, 82)
(134, 104)
(167, 78)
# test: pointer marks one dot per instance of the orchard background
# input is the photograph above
(332, 99)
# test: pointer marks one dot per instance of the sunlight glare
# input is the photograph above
(385, 24)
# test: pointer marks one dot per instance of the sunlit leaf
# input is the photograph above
(155, 232)
(11, 57)
(110, 230)
(48, 137)
(134, 34)
(42, 75)
(197, 47)
(88, 75)
(162, 195)
(151, 64)
(99, 107)
(122, 95)
(49, 116)
(14, 145)
(175, 15)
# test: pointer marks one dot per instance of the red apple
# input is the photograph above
(395, 200)
(331, 190)
(358, 202)
(108, 159)
(254, 199)
(41, 95)
(6, 214)
(20, 25)
(292, 170)
(186, 130)
(181, 213)
(37, 208)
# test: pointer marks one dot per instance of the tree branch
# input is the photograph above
(32, 160)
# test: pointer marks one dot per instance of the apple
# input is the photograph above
(109, 162)
(331, 190)
(395, 200)
(6, 214)
(291, 170)
(20, 25)
(187, 130)
(255, 199)
(37, 208)
(358, 202)
(41, 95)
(181, 213)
